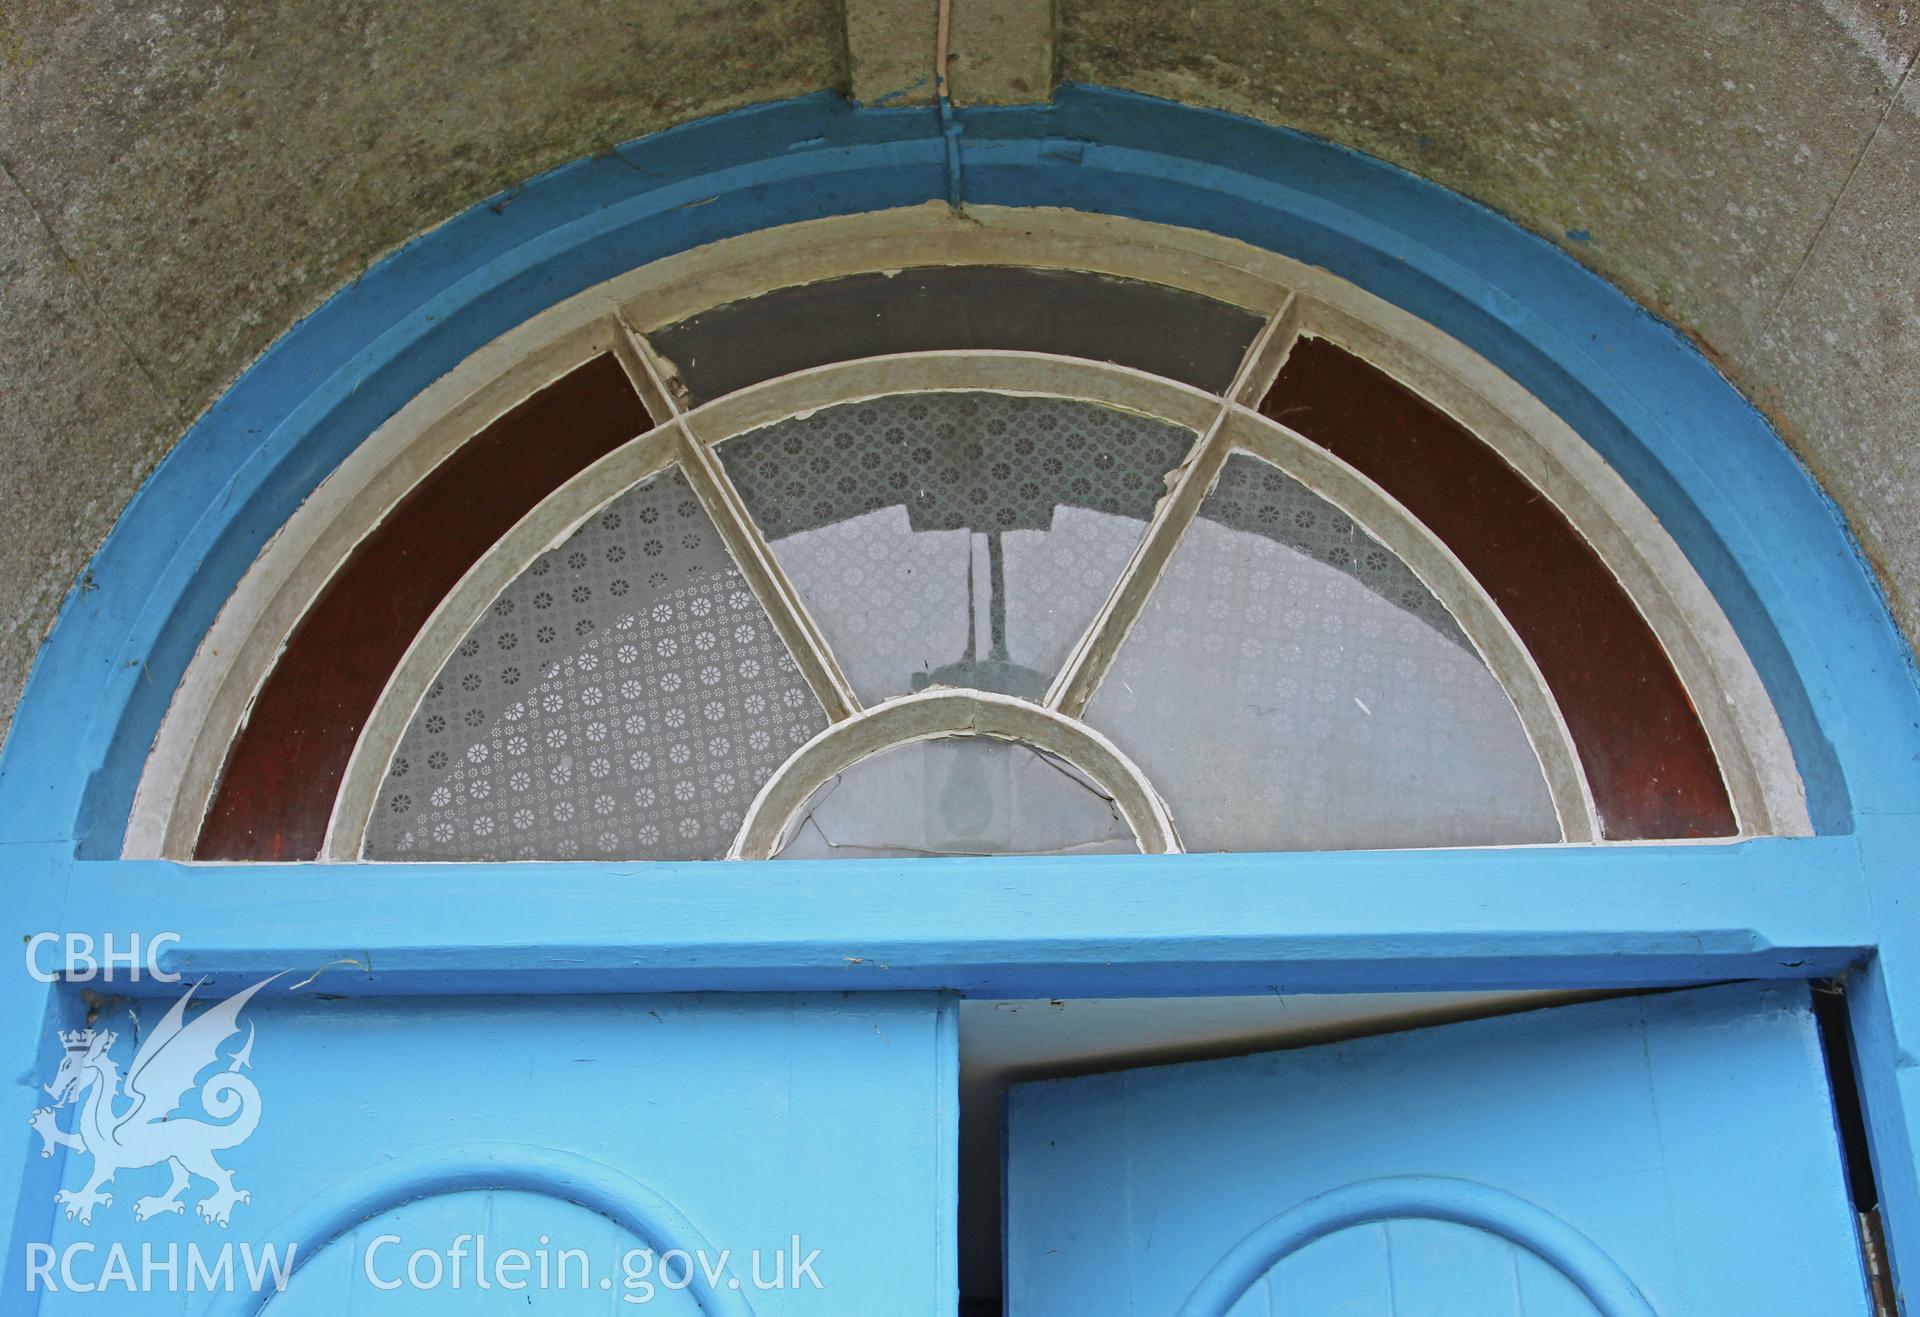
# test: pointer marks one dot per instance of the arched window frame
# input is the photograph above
(1294, 301)
(690, 440)
(1745, 516)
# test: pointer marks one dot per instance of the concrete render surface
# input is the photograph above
(1749, 172)
(180, 183)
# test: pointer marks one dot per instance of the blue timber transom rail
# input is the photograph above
(1770, 547)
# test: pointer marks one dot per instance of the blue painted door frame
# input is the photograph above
(1756, 527)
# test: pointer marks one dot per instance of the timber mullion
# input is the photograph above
(1073, 689)
(743, 539)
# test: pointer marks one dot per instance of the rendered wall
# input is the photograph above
(179, 183)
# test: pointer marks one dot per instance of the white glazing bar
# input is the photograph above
(1384, 518)
(1267, 355)
(551, 522)
(936, 713)
(1093, 654)
(239, 651)
(743, 538)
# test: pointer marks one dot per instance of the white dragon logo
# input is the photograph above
(163, 1072)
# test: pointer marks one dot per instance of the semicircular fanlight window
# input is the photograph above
(624, 697)
(1282, 679)
(956, 539)
(1291, 685)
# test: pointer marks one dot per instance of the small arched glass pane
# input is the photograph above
(624, 697)
(1292, 685)
(955, 539)
(972, 795)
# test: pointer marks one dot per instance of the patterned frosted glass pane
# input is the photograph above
(625, 697)
(957, 539)
(959, 796)
(1291, 685)
(1648, 759)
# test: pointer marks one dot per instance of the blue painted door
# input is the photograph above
(1672, 1155)
(734, 1155)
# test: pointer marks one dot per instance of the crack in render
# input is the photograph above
(1820, 229)
(74, 268)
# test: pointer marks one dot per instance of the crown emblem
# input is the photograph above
(151, 1132)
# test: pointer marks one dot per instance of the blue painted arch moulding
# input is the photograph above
(1761, 534)
(1428, 1198)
